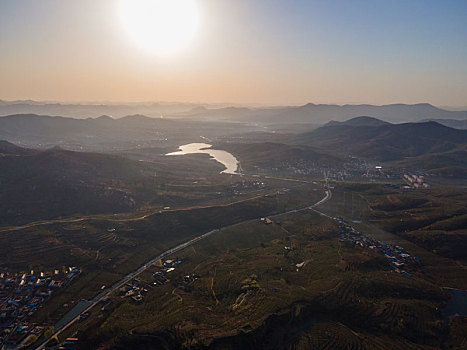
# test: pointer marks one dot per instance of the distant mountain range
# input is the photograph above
(309, 113)
(105, 133)
(93, 110)
(430, 145)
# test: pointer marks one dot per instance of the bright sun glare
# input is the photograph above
(160, 26)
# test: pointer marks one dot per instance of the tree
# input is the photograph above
(49, 332)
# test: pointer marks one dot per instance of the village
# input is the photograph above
(21, 294)
(351, 170)
(137, 289)
(239, 187)
(396, 255)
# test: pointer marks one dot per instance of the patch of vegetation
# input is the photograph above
(278, 286)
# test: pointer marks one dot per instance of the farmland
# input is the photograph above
(275, 285)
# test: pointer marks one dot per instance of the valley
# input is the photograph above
(233, 175)
(298, 233)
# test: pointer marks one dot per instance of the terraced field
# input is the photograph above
(435, 219)
(107, 248)
(251, 292)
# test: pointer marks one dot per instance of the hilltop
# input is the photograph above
(360, 121)
(385, 142)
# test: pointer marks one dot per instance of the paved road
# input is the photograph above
(99, 297)
(74, 316)
(112, 218)
(152, 212)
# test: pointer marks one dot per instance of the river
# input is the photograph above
(223, 157)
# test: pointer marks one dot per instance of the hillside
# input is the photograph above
(452, 163)
(107, 134)
(53, 183)
(8, 148)
(434, 219)
(452, 123)
(274, 154)
(385, 142)
(359, 121)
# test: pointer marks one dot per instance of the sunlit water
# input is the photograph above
(223, 157)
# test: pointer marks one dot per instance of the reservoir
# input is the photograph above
(223, 157)
(457, 304)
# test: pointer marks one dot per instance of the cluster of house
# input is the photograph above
(134, 290)
(360, 169)
(398, 258)
(160, 276)
(239, 186)
(416, 181)
(21, 294)
(354, 168)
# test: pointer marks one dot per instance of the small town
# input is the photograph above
(21, 294)
(353, 169)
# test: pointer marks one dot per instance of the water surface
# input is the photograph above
(457, 304)
(223, 157)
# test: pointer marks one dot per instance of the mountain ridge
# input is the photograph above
(385, 142)
(309, 112)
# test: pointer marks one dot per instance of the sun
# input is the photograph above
(160, 26)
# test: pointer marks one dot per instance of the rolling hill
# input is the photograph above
(107, 134)
(275, 154)
(452, 123)
(360, 121)
(10, 149)
(48, 184)
(386, 142)
(452, 163)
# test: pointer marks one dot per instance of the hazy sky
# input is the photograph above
(244, 51)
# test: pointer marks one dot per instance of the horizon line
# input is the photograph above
(223, 104)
